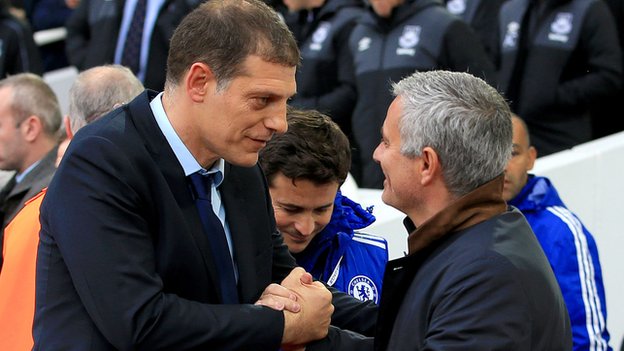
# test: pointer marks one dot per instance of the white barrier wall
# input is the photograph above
(590, 180)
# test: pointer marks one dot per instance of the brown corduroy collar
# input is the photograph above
(475, 207)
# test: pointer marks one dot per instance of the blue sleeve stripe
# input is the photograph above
(595, 321)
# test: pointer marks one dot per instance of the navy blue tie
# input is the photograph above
(216, 236)
(131, 54)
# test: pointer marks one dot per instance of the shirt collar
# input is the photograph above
(187, 161)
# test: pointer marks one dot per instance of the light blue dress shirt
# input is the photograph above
(190, 166)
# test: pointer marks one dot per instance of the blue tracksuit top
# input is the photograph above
(573, 256)
(347, 260)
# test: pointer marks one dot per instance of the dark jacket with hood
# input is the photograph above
(420, 35)
(18, 51)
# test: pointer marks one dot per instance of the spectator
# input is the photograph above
(18, 51)
(93, 93)
(29, 121)
(110, 31)
(569, 247)
(393, 40)
(158, 256)
(604, 122)
(577, 41)
(482, 16)
(305, 168)
(325, 78)
(475, 277)
(49, 14)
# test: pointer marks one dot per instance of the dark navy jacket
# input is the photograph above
(419, 36)
(556, 64)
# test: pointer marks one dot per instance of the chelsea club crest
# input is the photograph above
(362, 288)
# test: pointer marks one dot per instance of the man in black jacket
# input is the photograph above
(475, 277)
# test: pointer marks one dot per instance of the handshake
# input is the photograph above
(307, 307)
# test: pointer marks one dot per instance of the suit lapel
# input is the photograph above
(173, 173)
(236, 202)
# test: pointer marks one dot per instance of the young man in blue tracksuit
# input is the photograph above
(305, 168)
(569, 247)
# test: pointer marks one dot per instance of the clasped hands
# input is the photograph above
(306, 305)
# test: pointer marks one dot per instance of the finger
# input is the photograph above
(278, 290)
(279, 303)
(306, 278)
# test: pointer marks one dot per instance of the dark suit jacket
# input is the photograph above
(93, 30)
(123, 261)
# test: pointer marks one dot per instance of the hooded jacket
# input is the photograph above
(573, 256)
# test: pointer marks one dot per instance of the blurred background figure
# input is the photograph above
(325, 76)
(95, 92)
(133, 33)
(604, 121)
(18, 51)
(29, 122)
(482, 16)
(557, 59)
(305, 168)
(568, 245)
(393, 40)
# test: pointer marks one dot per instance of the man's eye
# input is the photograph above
(262, 101)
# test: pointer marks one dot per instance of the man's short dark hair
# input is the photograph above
(223, 33)
(314, 148)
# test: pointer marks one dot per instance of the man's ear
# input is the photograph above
(31, 127)
(429, 166)
(199, 81)
(532, 156)
(68, 131)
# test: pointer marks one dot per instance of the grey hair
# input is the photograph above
(465, 120)
(98, 90)
(32, 96)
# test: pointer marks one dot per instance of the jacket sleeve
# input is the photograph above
(573, 256)
(601, 51)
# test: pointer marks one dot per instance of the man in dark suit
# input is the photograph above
(100, 32)
(29, 119)
(126, 260)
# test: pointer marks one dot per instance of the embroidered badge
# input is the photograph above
(511, 36)
(408, 40)
(456, 7)
(561, 27)
(364, 44)
(320, 34)
(362, 288)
